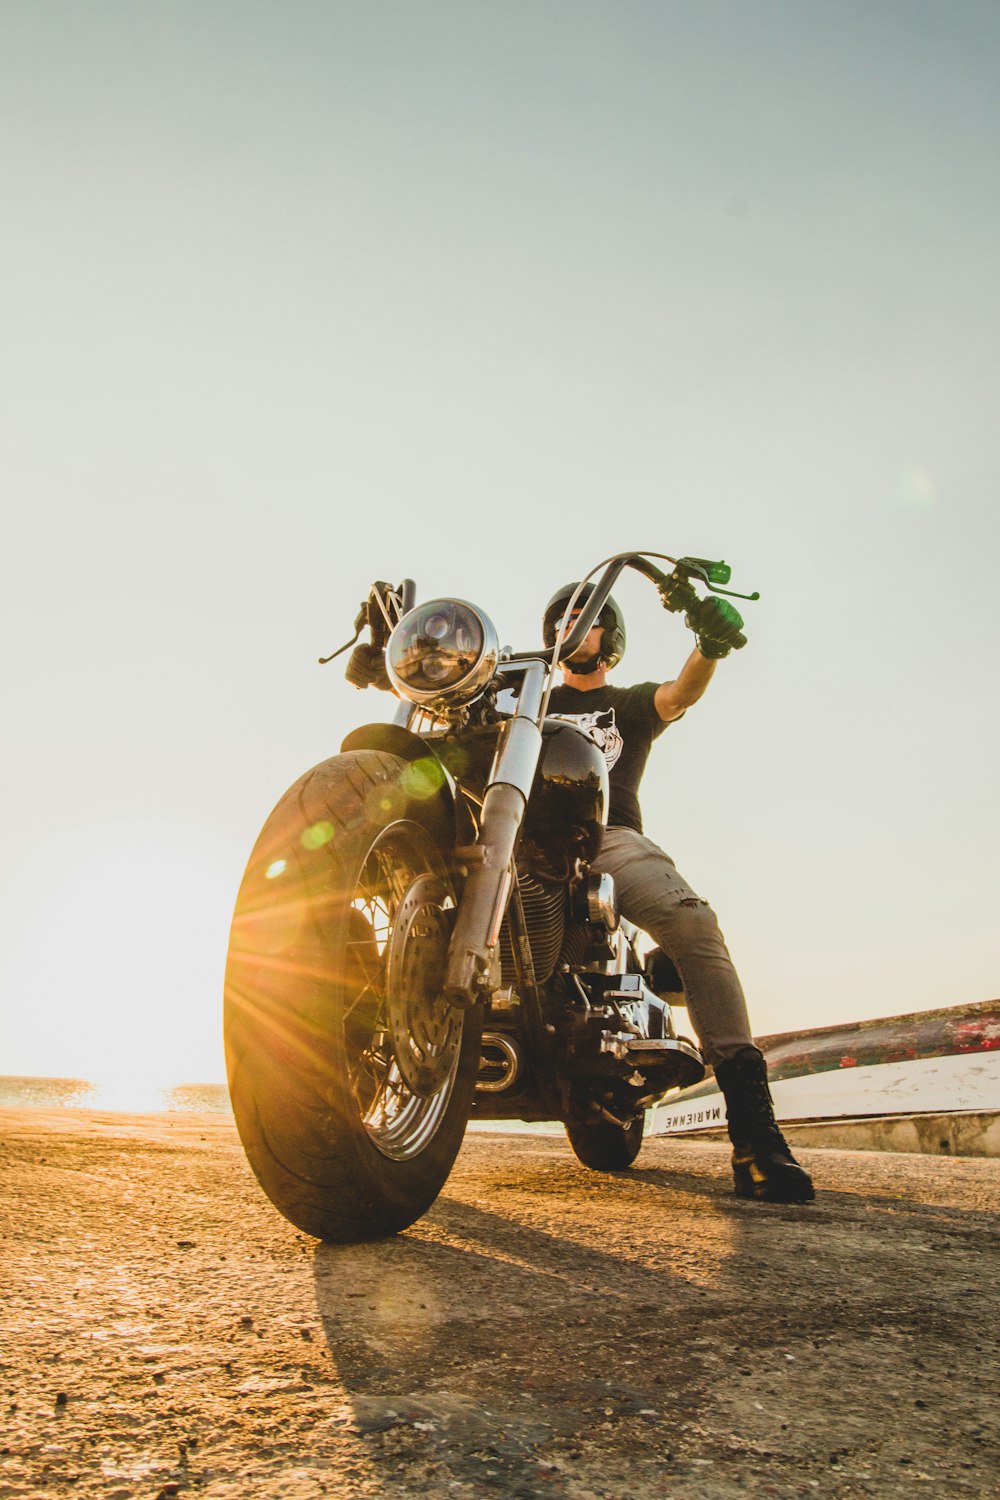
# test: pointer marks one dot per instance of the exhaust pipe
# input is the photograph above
(500, 1064)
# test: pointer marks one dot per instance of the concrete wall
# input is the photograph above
(928, 1082)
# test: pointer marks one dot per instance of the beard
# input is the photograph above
(583, 662)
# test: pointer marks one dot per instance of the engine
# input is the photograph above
(544, 905)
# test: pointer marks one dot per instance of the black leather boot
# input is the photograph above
(763, 1165)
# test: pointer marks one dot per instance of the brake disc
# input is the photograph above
(425, 1026)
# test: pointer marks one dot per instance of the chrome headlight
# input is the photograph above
(442, 653)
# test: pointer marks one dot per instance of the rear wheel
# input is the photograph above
(351, 1074)
(599, 1143)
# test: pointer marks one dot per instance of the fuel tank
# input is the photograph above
(568, 808)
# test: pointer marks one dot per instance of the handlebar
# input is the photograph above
(386, 605)
(675, 589)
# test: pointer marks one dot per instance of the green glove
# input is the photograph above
(717, 626)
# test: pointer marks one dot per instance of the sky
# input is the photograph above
(298, 296)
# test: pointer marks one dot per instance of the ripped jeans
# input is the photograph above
(653, 895)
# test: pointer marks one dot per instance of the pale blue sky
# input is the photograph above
(295, 296)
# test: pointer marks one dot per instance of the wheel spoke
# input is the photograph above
(398, 1120)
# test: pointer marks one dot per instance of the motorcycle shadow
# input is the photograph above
(480, 1337)
(544, 1330)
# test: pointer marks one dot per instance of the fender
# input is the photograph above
(439, 808)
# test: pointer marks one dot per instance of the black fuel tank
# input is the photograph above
(568, 807)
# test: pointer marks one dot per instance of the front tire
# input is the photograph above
(351, 1076)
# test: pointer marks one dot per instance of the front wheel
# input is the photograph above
(351, 1075)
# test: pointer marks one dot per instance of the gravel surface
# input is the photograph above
(543, 1331)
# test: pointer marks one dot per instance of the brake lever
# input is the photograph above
(374, 612)
(675, 588)
(713, 575)
(359, 625)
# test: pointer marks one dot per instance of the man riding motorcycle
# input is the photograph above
(624, 722)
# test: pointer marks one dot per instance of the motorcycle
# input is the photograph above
(420, 938)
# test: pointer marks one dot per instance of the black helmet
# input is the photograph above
(611, 617)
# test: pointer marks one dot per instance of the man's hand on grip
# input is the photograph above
(366, 668)
(717, 627)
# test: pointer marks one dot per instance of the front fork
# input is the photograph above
(473, 968)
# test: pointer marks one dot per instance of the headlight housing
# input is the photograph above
(442, 654)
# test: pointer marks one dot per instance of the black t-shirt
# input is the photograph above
(623, 723)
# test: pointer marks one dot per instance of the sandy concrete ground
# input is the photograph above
(542, 1332)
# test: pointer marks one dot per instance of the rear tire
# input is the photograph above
(601, 1146)
(351, 1077)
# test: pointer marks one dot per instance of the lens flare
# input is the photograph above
(422, 779)
(317, 835)
(915, 489)
(384, 803)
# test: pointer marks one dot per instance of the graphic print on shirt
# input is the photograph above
(602, 729)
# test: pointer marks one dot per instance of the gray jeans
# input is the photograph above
(653, 895)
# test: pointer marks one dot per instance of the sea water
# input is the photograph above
(122, 1096)
(137, 1098)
